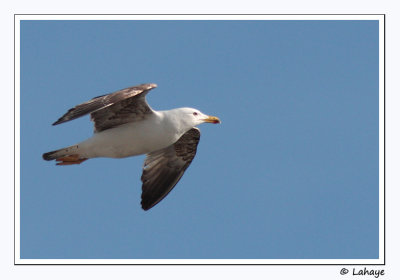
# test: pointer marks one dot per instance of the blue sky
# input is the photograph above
(292, 171)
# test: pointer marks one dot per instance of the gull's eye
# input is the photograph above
(195, 114)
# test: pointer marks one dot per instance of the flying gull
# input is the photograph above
(125, 125)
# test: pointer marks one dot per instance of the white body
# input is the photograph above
(157, 131)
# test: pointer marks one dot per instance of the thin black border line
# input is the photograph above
(14, 147)
(223, 264)
(384, 138)
(200, 14)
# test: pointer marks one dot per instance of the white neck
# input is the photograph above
(174, 117)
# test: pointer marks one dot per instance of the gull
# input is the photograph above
(125, 125)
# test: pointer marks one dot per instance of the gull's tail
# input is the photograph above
(65, 156)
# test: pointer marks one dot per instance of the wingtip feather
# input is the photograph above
(57, 122)
(145, 208)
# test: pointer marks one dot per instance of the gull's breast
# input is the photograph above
(129, 140)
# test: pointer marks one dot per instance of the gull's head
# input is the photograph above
(194, 117)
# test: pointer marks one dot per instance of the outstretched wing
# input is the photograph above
(162, 169)
(110, 110)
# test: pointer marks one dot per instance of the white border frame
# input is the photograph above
(379, 261)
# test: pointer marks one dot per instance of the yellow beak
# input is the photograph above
(211, 119)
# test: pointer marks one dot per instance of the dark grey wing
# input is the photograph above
(162, 169)
(113, 109)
